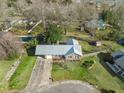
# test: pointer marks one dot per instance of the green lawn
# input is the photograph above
(71, 71)
(105, 79)
(97, 75)
(83, 39)
(5, 66)
(86, 47)
(21, 77)
(113, 45)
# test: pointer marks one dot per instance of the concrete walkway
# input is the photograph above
(12, 70)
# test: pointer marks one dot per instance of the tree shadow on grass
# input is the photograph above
(103, 60)
(107, 91)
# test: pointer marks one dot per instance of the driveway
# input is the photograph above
(69, 87)
(41, 75)
(40, 81)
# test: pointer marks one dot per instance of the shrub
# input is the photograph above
(32, 43)
(107, 91)
(87, 64)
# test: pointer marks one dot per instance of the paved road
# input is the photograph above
(69, 87)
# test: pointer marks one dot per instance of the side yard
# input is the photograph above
(71, 71)
(20, 78)
(5, 66)
(97, 75)
(85, 38)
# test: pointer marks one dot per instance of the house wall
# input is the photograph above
(73, 57)
(57, 57)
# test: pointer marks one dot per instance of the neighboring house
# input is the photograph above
(118, 63)
(71, 51)
(95, 24)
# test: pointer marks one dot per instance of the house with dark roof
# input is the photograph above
(71, 51)
(118, 63)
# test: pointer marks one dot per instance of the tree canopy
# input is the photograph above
(110, 17)
(53, 34)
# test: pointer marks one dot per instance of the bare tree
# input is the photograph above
(120, 12)
(62, 14)
(9, 46)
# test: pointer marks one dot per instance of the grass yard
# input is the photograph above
(21, 77)
(97, 75)
(5, 66)
(71, 71)
(83, 39)
(87, 48)
(113, 45)
(105, 79)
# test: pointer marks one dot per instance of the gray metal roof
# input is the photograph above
(72, 42)
(119, 58)
(58, 50)
(120, 62)
(117, 53)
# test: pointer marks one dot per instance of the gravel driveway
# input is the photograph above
(70, 87)
(41, 75)
(40, 82)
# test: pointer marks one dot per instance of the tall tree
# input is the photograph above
(110, 17)
(53, 34)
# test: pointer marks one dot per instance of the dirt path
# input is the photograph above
(94, 53)
(13, 69)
